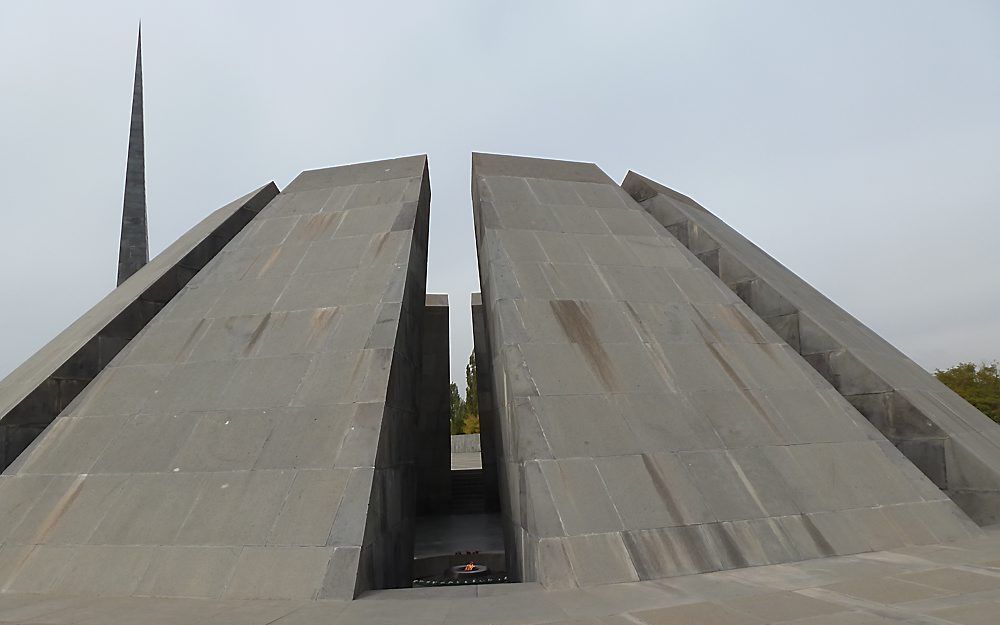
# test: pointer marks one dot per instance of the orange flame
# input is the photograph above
(471, 566)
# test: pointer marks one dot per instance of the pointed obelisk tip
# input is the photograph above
(133, 251)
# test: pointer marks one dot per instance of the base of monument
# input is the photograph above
(469, 580)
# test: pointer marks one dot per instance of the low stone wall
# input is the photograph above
(464, 443)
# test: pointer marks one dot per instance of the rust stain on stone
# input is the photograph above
(59, 510)
(270, 262)
(316, 225)
(319, 322)
(576, 324)
(321, 317)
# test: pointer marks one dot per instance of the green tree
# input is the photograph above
(471, 387)
(457, 416)
(978, 385)
(470, 425)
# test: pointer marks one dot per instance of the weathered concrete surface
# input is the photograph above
(255, 440)
(487, 418)
(953, 584)
(433, 456)
(650, 424)
(950, 441)
(133, 251)
(45, 384)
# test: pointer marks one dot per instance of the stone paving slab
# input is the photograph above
(879, 588)
(469, 460)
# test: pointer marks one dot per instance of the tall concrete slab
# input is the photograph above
(433, 452)
(255, 439)
(484, 391)
(954, 444)
(650, 424)
(133, 251)
(45, 384)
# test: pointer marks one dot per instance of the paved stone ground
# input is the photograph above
(955, 583)
(469, 460)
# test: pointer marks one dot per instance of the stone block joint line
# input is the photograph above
(252, 427)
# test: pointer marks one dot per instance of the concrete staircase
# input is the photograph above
(467, 496)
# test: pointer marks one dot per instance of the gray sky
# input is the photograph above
(856, 142)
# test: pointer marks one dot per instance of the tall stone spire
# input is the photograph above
(134, 250)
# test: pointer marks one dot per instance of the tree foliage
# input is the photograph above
(978, 385)
(457, 410)
(465, 412)
(471, 424)
(472, 387)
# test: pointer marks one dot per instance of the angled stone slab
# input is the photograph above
(484, 390)
(259, 432)
(433, 452)
(650, 424)
(45, 384)
(951, 442)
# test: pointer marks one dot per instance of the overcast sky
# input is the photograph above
(856, 142)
